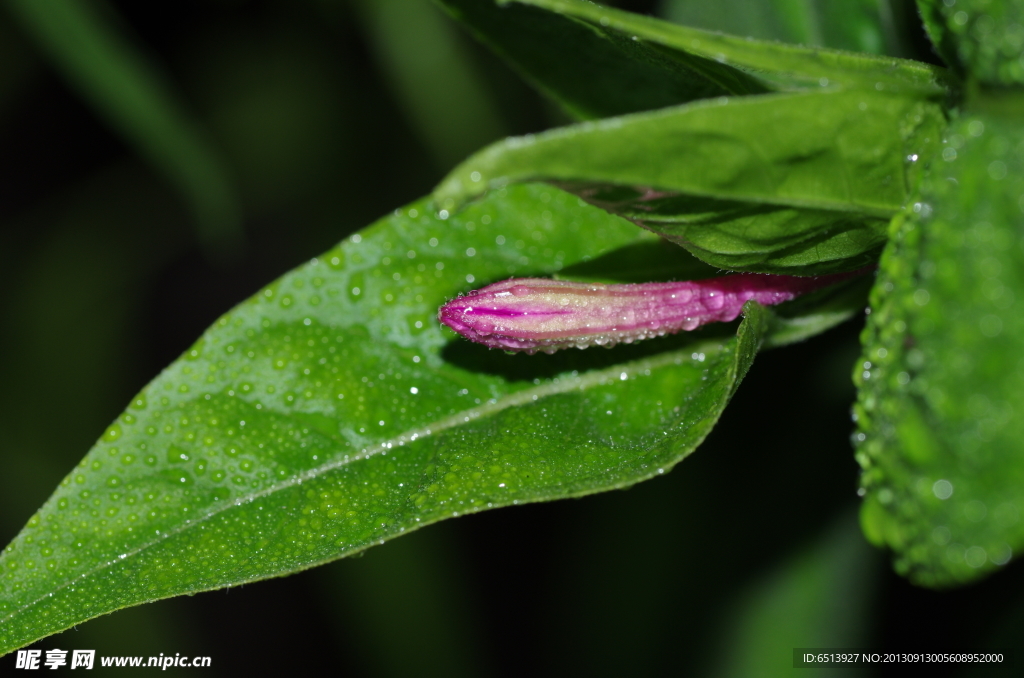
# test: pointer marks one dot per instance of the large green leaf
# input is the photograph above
(330, 412)
(722, 177)
(843, 151)
(599, 62)
(139, 104)
(942, 381)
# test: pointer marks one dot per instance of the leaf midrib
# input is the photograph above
(565, 384)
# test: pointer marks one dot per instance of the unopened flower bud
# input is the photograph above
(536, 314)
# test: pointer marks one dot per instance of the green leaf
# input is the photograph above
(722, 178)
(855, 25)
(138, 103)
(747, 236)
(595, 72)
(650, 259)
(779, 67)
(599, 62)
(843, 151)
(942, 382)
(942, 39)
(982, 39)
(783, 20)
(823, 242)
(331, 412)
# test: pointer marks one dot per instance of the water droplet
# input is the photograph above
(975, 556)
(975, 511)
(941, 535)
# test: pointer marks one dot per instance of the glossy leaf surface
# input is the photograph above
(330, 412)
(941, 380)
(712, 176)
(636, 63)
(778, 66)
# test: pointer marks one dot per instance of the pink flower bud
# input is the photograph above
(531, 314)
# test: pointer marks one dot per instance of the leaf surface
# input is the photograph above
(855, 25)
(330, 412)
(941, 381)
(942, 39)
(599, 62)
(742, 236)
(981, 39)
(771, 183)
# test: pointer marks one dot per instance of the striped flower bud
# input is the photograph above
(536, 314)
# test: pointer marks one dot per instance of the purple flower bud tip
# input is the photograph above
(536, 314)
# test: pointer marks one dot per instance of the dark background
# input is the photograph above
(326, 115)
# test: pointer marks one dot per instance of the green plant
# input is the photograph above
(330, 412)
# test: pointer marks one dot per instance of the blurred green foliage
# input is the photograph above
(321, 119)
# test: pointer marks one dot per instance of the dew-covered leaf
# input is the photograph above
(598, 62)
(979, 38)
(941, 379)
(330, 412)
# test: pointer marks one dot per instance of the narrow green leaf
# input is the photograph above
(137, 102)
(845, 159)
(942, 381)
(599, 62)
(330, 413)
(942, 39)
